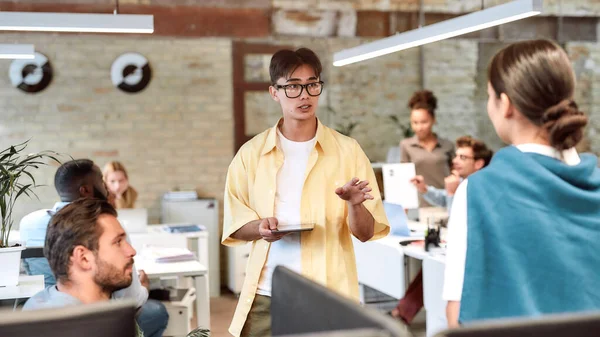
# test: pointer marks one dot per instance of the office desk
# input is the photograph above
(27, 287)
(384, 265)
(197, 242)
(381, 263)
(433, 285)
(193, 269)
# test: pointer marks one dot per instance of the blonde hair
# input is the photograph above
(129, 197)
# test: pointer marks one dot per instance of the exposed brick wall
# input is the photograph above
(450, 72)
(586, 62)
(178, 133)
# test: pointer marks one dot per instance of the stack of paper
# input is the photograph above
(181, 195)
(397, 186)
(168, 254)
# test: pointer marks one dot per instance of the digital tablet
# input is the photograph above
(289, 228)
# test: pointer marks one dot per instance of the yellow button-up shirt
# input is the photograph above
(327, 253)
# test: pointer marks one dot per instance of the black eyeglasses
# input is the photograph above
(295, 90)
(463, 157)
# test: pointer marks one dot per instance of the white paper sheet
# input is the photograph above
(397, 186)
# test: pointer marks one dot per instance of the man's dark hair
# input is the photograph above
(285, 62)
(480, 150)
(71, 175)
(74, 225)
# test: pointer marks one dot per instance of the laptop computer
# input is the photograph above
(133, 220)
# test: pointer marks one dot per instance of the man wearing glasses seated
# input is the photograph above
(471, 156)
(298, 172)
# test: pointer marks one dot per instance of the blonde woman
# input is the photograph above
(117, 182)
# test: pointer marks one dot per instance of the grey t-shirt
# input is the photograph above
(50, 298)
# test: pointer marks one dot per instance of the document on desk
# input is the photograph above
(397, 186)
(167, 254)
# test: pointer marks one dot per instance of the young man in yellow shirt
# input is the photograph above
(298, 172)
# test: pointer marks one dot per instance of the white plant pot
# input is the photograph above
(10, 262)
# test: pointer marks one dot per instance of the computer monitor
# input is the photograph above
(114, 318)
(564, 325)
(133, 220)
(301, 306)
(346, 333)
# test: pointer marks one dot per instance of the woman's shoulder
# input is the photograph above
(445, 143)
(407, 141)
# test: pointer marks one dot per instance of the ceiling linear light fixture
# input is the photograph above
(77, 22)
(486, 18)
(17, 51)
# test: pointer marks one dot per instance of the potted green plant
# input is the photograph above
(407, 131)
(16, 179)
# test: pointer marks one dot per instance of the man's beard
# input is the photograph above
(111, 279)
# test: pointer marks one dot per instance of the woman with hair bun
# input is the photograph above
(432, 155)
(523, 233)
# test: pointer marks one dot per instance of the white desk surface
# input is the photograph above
(186, 268)
(28, 286)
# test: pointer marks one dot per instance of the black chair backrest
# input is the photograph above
(32, 252)
(564, 325)
(111, 318)
(300, 306)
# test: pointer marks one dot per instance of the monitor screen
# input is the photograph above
(562, 325)
(300, 306)
(114, 318)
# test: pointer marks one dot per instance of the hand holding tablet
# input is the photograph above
(292, 228)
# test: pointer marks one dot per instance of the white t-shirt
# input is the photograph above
(456, 252)
(290, 181)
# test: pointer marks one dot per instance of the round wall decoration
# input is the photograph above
(31, 76)
(131, 72)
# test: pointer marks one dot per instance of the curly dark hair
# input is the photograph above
(425, 100)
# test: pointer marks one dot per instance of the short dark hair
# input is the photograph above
(286, 61)
(480, 150)
(74, 225)
(71, 175)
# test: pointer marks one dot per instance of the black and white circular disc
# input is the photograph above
(131, 72)
(31, 76)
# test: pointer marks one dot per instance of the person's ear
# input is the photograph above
(479, 163)
(82, 258)
(86, 191)
(274, 92)
(507, 109)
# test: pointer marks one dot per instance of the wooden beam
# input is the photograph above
(187, 21)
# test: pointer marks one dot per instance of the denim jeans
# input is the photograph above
(39, 266)
(153, 318)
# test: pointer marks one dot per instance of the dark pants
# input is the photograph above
(412, 302)
(153, 318)
(258, 322)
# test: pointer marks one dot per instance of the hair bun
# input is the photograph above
(564, 123)
(423, 99)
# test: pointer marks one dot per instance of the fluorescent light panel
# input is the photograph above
(17, 51)
(479, 20)
(76, 22)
